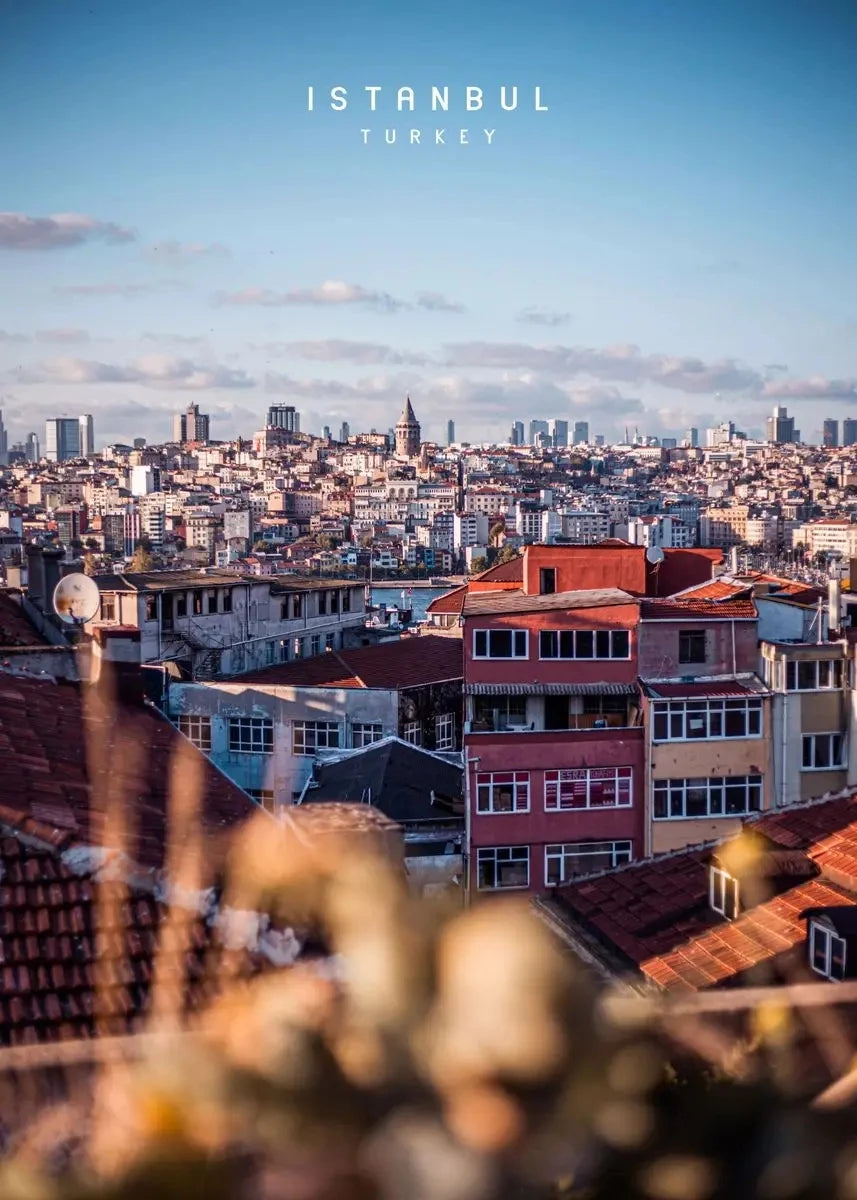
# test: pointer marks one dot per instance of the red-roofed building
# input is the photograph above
(265, 728)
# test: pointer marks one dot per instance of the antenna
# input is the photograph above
(76, 599)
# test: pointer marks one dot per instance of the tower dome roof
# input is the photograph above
(408, 416)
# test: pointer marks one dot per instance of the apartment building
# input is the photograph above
(211, 622)
(831, 535)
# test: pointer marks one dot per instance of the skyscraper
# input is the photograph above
(830, 434)
(87, 435)
(450, 432)
(558, 431)
(4, 443)
(62, 439)
(849, 431)
(691, 437)
(780, 428)
(190, 426)
(285, 416)
(516, 434)
(344, 432)
(537, 427)
(407, 433)
(581, 432)
(31, 446)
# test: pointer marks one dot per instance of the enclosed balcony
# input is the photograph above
(541, 708)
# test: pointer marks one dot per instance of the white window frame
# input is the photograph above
(251, 735)
(264, 797)
(515, 635)
(811, 740)
(682, 713)
(580, 779)
(674, 794)
(830, 664)
(570, 638)
(412, 733)
(819, 932)
(315, 645)
(489, 783)
(365, 733)
(197, 729)
(619, 852)
(500, 855)
(444, 731)
(719, 882)
(308, 737)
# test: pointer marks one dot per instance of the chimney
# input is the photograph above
(52, 559)
(733, 560)
(36, 576)
(115, 665)
(834, 602)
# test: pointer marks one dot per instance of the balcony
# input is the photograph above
(554, 712)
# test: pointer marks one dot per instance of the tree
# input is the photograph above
(507, 553)
(89, 563)
(141, 560)
(478, 565)
(91, 543)
(497, 531)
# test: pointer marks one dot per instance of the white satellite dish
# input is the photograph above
(76, 599)
(654, 554)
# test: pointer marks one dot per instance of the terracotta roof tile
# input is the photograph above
(407, 662)
(450, 602)
(682, 607)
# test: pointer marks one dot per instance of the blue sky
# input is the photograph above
(671, 243)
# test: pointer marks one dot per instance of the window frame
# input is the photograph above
(329, 729)
(575, 641)
(412, 733)
(622, 778)
(196, 727)
(446, 740)
(240, 726)
(674, 793)
(678, 715)
(834, 670)
(816, 929)
(264, 797)
(517, 636)
(833, 737)
(724, 893)
(688, 646)
(561, 851)
(488, 783)
(483, 854)
(359, 736)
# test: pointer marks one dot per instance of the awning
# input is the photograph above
(551, 689)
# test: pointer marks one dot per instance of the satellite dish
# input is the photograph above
(654, 554)
(76, 599)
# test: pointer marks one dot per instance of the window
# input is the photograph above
(211, 601)
(547, 581)
(686, 720)
(499, 712)
(729, 796)
(251, 735)
(810, 675)
(589, 787)
(284, 650)
(270, 652)
(297, 606)
(334, 602)
(315, 644)
(299, 647)
(444, 732)
(330, 641)
(826, 951)
(503, 792)
(197, 603)
(197, 730)
(365, 733)
(310, 736)
(227, 600)
(263, 796)
(691, 646)
(322, 604)
(151, 608)
(500, 643)
(108, 608)
(723, 893)
(566, 860)
(346, 600)
(502, 867)
(584, 643)
(413, 732)
(181, 604)
(823, 752)
(284, 610)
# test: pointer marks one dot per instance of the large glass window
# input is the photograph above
(503, 791)
(251, 735)
(810, 675)
(197, 730)
(732, 795)
(687, 720)
(310, 736)
(589, 787)
(584, 643)
(500, 643)
(823, 752)
(566, 860)
(502, 867)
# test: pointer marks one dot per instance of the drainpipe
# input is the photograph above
(734, 659)
(784, 743)
(649, 791)
(466, 848)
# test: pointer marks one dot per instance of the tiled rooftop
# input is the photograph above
(707, 689)
(487, 603)
(407, 662)
(15, 628)
(450, 602)
(62, 754)
(735, 608)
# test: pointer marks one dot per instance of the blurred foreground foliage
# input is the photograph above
(434, 1055)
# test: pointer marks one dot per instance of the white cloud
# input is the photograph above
(437, 302)
(64, 336)
(126, 290)
(21, 232)
(154, 370)
(542, 316)
(179, 253)
(337, 350)
(335, 292)
(817, 386)
(6, 337)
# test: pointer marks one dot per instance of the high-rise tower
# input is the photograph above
(407, 432)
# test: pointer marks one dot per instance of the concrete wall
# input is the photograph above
(282, 772)
(659, 643)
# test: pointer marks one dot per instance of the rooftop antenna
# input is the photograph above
(76, 599)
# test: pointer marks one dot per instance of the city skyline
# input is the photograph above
(640, 281)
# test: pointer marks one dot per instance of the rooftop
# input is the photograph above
(15, 627)
(148, 581)
(488, 603)
(407, 662)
